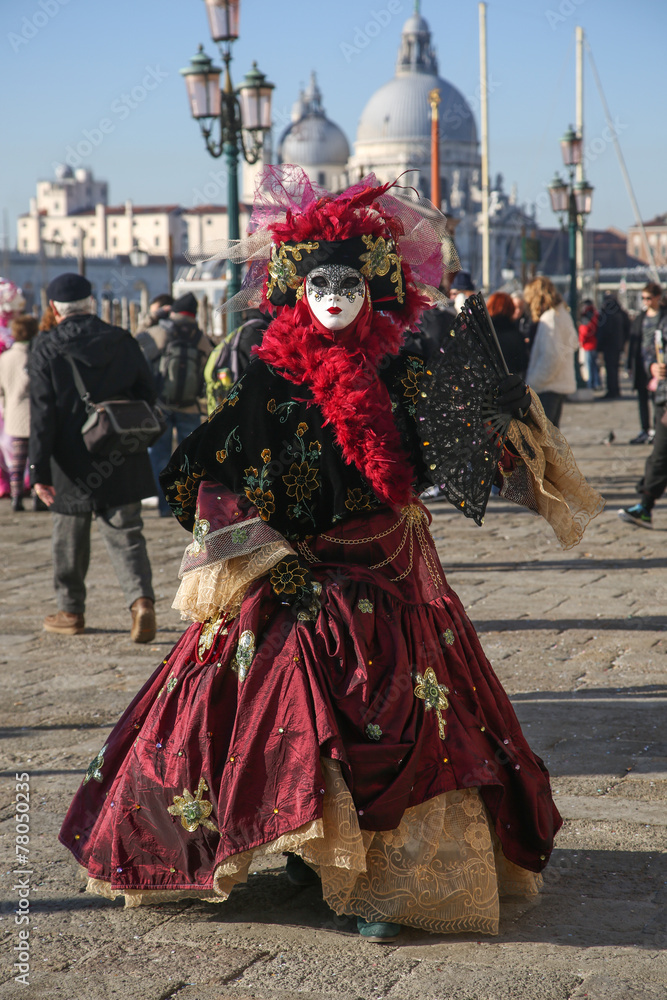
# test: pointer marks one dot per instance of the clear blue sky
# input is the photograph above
(82, 56)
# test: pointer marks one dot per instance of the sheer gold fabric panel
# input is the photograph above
(220, 586)
(561, 494)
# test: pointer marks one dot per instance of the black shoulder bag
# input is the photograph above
(124, 425)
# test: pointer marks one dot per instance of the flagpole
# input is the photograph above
(484, 121)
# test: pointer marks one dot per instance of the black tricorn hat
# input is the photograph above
(376, 259)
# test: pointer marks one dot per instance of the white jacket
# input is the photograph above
(15, 389)
(551, 365)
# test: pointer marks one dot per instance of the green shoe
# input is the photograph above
(378, 931)
(637, 514)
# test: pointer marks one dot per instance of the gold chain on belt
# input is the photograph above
(413, 517)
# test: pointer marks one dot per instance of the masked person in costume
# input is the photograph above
(330, 698)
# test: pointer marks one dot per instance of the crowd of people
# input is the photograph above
(171, 361)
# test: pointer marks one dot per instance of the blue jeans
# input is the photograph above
(184, 424)
(594, 381)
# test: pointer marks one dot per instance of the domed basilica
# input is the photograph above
(394, 137)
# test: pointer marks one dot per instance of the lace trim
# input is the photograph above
(441, 869)
(559, 491)
(205, 592)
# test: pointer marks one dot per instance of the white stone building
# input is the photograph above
(74, 207)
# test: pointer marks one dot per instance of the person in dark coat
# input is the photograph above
(612, 332)
(512, 342)
(74, 483)
(641, 351)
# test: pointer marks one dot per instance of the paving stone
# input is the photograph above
(578, 638)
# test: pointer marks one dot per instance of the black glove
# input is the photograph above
(513, 396)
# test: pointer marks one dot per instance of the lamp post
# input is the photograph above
(232, 121)
(574, 200)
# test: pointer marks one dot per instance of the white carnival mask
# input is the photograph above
(336, 294)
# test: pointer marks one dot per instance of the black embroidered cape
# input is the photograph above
(266, 442)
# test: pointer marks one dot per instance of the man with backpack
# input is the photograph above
(177, 351)
(231, 358)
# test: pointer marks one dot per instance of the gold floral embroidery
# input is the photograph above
(271, 406)
(245, 651)
(301, 481)
(287, 575)
(199, 532)
(186, 489)
(193, 809)
(413, 375)
(169, 686)
(434, 696)
(365, 606)
(357, 499)
(379, 259)
(411, 383)
(95, 767)
(209, 633)
(221, 455)
(263, 500)
(373, 731)
(282, 272)
(448, 637)
(301, 429)
(266, 455)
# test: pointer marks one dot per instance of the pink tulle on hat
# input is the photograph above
(285, 199)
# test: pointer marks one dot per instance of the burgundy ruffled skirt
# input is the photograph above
(375, 741)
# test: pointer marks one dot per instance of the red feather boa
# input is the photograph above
(341, 370)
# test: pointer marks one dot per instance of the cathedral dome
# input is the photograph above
(400, 110)
(312, 139)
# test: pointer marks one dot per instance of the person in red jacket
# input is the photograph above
(588, 340)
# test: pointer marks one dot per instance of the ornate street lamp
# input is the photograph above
(574, 200)
(559, 195)
(223, 19)
(232, 121)
(571, 148)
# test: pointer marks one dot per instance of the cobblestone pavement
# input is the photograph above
(578, 639)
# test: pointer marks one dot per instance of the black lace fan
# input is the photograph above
(462, 432)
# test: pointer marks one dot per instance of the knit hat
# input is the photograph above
(186, 304)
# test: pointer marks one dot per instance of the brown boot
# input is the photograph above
(64, 623)
(143, 620)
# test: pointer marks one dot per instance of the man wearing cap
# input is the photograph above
(177, 336)
(74, 483)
